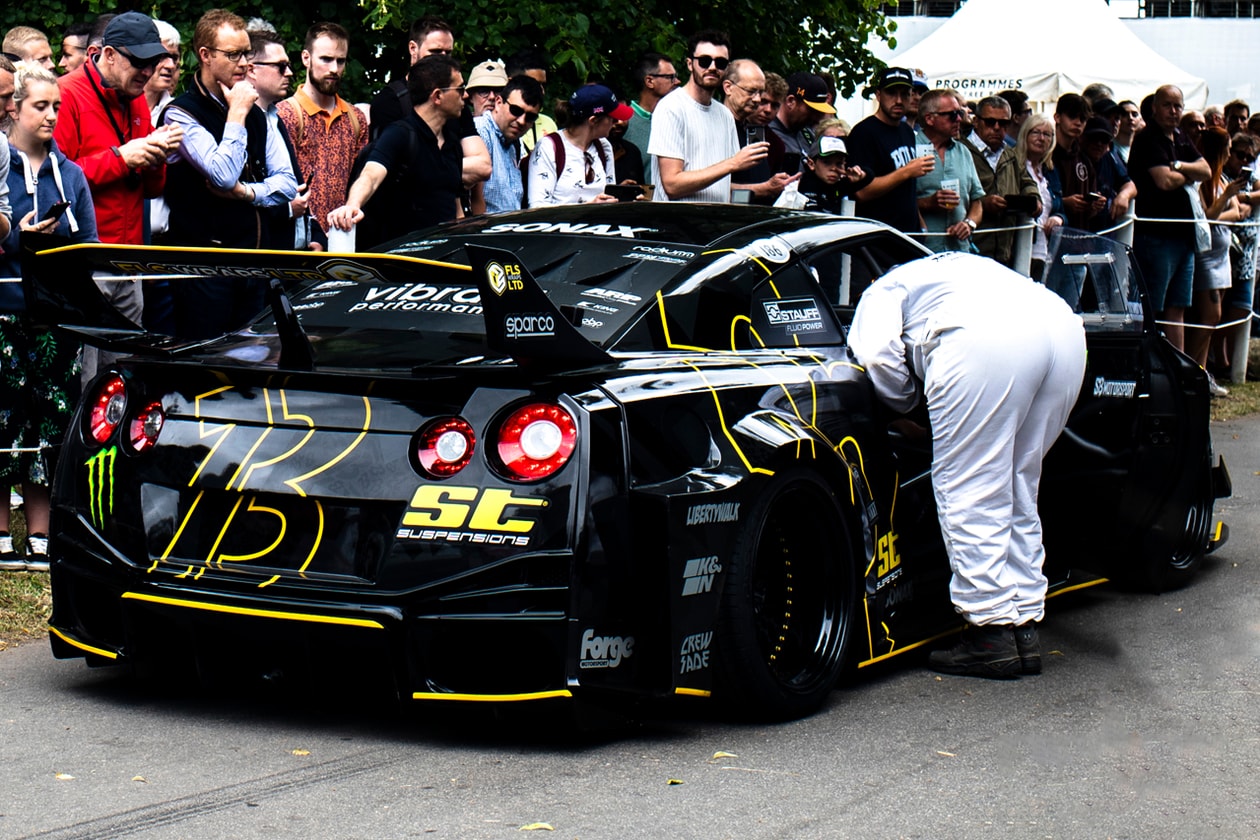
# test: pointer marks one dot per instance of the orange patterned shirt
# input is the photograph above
(326, 145)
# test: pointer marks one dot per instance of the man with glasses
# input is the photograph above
(501, 129)
(805, 104)
(694, 147)
(949, 197)
(411, 174)
(656, 77)
(884, 147)
(744, 86)
(327, 132)
(104, 126)
(986, 144)
(228, 171)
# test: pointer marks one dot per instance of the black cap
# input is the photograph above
(1104, 106)
(135, 33)
(811, 90)
(894, 77)
(1098, 125)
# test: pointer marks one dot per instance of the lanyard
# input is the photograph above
(109, 112)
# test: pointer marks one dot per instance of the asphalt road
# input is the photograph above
(1144, 725)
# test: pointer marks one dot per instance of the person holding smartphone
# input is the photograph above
(38, 382)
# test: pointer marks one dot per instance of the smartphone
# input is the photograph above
(754, 134)
(1247, 173)
(56, 211)
(1092, 197)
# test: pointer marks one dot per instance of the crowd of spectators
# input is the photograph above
(246, 154)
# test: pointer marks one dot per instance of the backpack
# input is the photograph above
(557, 146)
(392, 193)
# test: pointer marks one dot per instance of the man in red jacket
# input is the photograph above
(104, 127)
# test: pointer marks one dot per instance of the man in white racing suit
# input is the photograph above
(1001, 360)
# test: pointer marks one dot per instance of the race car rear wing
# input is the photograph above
(521, 320)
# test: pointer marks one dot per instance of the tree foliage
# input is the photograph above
(590, 38)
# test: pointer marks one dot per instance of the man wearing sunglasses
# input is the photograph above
(656, 76)
(948, 196)
(694, 145)
(987, 142)
(105, 128)
(516, 110)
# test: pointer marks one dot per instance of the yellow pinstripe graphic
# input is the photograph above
(70, 640)
(252, 611)
(222, 531)
(132, 250)
(248, 455)
(241, 558)
(492, 698)
(319, 537)
(295, 483)
(178, 531)
(693, 692)
(284, 411)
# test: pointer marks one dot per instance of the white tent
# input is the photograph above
(1045, 50)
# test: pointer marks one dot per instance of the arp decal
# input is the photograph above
(796, 315)
(101, 484)
(693, 655)
(529, 326)
(504, 278)
(612, 296)
(468, 514)
(1115, 388)
(698, 575)
(604, 651)
(625, 231)
(712, 513)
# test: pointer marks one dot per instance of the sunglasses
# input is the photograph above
(1247, 159)
(518, 112)
(706, 60)
(282, 67)
(992, 122)
(142, 63)
(952, 115)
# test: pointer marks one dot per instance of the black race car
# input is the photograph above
(614, 453)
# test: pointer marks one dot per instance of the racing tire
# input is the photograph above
(789, 602)
(1178, 564)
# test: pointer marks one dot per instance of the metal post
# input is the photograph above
(1021, 249)
(848, 207)
(1238, 354)
(1125, 234)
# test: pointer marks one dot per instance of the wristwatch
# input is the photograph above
(971, 223)
(1176, 167)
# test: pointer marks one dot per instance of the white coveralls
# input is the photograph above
(1001, 359)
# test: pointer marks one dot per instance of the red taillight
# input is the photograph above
(445, 446)
(536, 440)
(146, 426)
(108, 408)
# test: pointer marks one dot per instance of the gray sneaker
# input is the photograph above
(36, 553)
(10, 560)
(1028, 642)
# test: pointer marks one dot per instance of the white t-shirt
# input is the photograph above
(698, 135)
(582, 178)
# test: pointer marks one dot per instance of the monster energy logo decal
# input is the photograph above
(101, 484)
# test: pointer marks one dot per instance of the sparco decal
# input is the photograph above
(420, 297)
(698, 575)
(529, 326)
(101, 484)
(694, 653)
(709, 514)
(504, 278)
(604, 651)
(1124, 390)
(569, 227)
(796, 315)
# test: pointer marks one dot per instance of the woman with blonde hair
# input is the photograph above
(39, 374)
(1033, 152)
